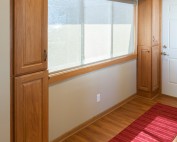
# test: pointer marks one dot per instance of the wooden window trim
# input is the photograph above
(76, 71)
(63, 75)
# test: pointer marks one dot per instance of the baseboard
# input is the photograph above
(92, 120)
(153, 98)
(169, 96)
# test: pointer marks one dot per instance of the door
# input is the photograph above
(169, 50)
(31, 108)
(30, 36)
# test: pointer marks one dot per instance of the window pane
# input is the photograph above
(64, 34)
(97, 30)
(123, 29)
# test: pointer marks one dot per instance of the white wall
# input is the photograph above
(73, 101)
(4, 70)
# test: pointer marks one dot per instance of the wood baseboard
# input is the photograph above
(92, 120)
(147, 98)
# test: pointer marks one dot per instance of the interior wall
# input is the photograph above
(73, 101)
(4, 70)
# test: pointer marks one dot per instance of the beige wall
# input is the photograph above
(4, 71)
(73, 101)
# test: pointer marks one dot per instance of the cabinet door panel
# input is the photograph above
(155, 22)
(144, 69)
(31, 108)
(155, 68)
(30, 36)
(144, 22)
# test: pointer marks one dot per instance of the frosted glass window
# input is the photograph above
(123, 29)
(87, 31)
(97, 30)
(64, 34)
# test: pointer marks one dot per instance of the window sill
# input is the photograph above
(63, 75)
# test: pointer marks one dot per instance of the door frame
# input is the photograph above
(161, 2)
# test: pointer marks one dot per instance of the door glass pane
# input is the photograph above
(64, 34)
(123, 29)
(97, 30)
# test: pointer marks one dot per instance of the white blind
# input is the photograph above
(126, 1)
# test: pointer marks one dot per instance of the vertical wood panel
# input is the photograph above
(31, 108)
(33, 31)
(144, 69)
(155, 22)
(30, 36)
(155, 68)
(144, 22)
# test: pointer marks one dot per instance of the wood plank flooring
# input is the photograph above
(109, 126)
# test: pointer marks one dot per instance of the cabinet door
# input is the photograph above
(30, 36)
(144, 22)
(156, 22)
(144, 69)
(31, 108)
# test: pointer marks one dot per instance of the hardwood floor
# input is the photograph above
(109, 126)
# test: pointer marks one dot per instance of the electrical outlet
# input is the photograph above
(98, 98)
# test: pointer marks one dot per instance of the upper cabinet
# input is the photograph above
(149, 22)
(156, 22)
(30, 36)
(144, 22)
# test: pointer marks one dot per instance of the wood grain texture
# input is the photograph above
(155, 68)
(31, 108)
(60, 76)
(110, 125)
(149, 41)
(156, 22)
(144, 67)
(144, 23)
(30, 36)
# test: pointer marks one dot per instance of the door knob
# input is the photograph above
(164, 53)
(164, 46)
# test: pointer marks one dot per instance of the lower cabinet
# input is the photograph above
(31, 107)
(148, 71)
(144, 69)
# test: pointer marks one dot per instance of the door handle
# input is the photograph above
(165, 54)
(45, 56)
(165, 46)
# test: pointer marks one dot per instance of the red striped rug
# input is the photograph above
(159, 124)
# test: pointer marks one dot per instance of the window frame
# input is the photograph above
(58, 76)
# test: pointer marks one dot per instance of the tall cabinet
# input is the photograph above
(149, 42)
(30, 73)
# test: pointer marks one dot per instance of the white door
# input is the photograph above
(169, 42)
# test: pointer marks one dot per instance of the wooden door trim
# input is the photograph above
(160, 46)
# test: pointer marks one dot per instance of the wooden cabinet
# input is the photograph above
(149, 47)
(30, 75)
(30, 40)
(31, 108)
